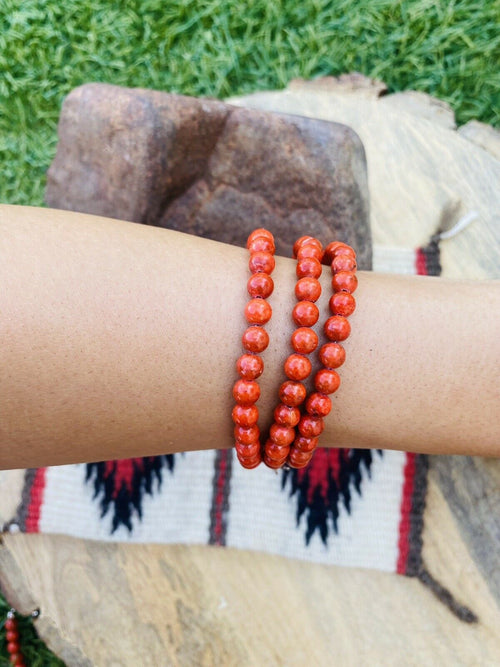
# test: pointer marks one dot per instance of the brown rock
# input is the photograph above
(207, 168)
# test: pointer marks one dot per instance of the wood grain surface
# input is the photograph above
(118, 604)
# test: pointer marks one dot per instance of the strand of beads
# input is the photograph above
(292, 392)
(250, 366)
(12, 637)
(342, 260)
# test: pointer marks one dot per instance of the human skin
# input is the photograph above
(120, 340)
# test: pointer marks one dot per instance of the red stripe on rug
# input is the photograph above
(420, 262)
(219, 500)
(406, 505)
(35, 502)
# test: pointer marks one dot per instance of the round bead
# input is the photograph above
(308, 267)
(308, 289)
(258, 311)
(297, 367)
(310, 250)
(13, 635)
(304, 340)
(330, 250)
(342, 303)
(246, 392)
(292, 393)
(344, 249)
(344, 281)
(326, 381)
(305, 240)
(262, 244)
(282, 435)
(255, 339)
(10, 624)
(305, 444)
(259, 232)
(298, 459)
(260, 284)
(337, 328)
(246, 434)
(332, 355)
(245, 415)
(270, 463)
(275, 451)
(248, 451)
(250, 463)
(305, 314)
(318, 404)
(249, 366)
(13, 647)
(310, 427)
(286, 416)
(261, 262)
(343, 263)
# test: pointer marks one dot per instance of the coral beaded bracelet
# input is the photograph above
(284, 446)
(250, 366)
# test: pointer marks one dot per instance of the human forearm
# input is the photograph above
(120, 340)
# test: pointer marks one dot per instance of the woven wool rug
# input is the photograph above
(349, 507)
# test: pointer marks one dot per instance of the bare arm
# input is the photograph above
(119, 340)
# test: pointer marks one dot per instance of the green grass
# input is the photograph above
(220, 48)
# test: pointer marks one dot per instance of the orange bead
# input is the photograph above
(344, 281)
(298, 459)
(260, 284)
(305, 314)
(318, 405)
(308, 267)
(297, 367)
(249, 366)
(246, 434)
(255, 339)
(344, 249)
(262, 244)
(310, 427)
(326, 381)
(308, 289)
(259, 232)
(258, 311)
(286, 416)
(304, 340)
(275, 451)
(250, 463)
(261, 262)
(245, 415)
(343, 263)
(342, 303)
(248, 451)
(330, 250)
(246, 392)
(332, 355)
(305, 444)
(282, 435)
(310, 250)
(270, 463)
(337, 328)
(292, 393)
(305, 240)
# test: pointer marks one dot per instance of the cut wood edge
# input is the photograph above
(13, 585)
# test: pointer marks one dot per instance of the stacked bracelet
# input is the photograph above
(342, 260)
(250, 366)
(284, 445)
(292, 392)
